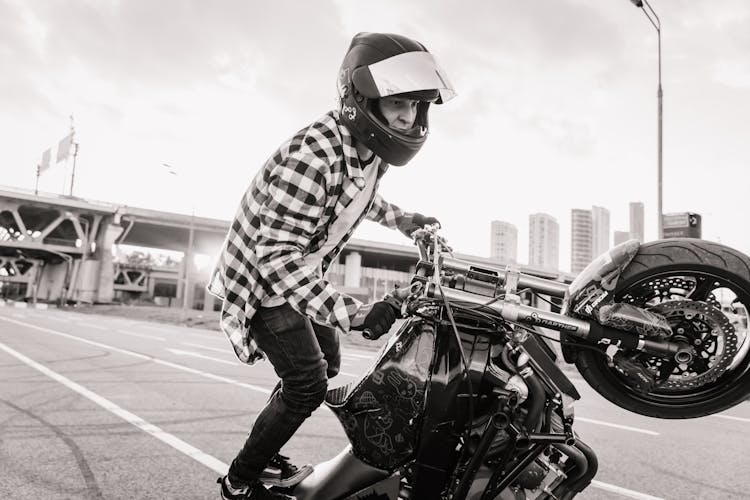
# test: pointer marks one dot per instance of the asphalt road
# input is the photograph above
(95, 407)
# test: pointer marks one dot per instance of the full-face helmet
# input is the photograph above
(379, 65)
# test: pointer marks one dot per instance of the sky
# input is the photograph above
(556, 105)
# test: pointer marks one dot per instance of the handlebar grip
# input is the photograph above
(370, 335)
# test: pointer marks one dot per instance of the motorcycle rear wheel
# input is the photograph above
(666, 271)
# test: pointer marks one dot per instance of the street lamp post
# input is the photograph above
(186, 288)
(654, 19)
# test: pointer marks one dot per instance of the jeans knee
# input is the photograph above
(304, 395)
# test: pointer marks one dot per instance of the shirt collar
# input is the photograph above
(351, 158)
(353, 166)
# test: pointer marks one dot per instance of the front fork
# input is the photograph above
(590, 331)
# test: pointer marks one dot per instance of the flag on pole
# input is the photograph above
(44, 165)
(63, 147)
(172, 170)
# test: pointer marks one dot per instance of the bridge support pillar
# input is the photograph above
(353, 269)
(105, 289)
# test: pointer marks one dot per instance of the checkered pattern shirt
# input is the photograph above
(284, 216)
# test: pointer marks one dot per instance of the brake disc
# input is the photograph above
(711, 335)
(666, 289)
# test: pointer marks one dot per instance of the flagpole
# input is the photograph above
(75, 154)
(73, 173)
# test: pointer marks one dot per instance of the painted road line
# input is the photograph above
(89, 325)
(157, 328)
(616, 426)
(207, 337)
(729, 417)
(180, 352)
(176, 366)
(358, 354)
(178, 444)
(208, 348)
(623, 491)
(141, 335)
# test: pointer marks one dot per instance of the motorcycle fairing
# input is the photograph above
(381, 413)
(446, 404)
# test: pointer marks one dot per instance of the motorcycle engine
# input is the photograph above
(535, 482)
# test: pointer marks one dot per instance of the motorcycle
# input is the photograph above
(467, 401)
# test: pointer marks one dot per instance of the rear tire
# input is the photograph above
(677, 257)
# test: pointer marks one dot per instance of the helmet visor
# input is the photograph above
(403, 73)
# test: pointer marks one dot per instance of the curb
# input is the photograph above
(22, 305)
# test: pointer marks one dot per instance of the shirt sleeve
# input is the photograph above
(386, 214)
(288, 219)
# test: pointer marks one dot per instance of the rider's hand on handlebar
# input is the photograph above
(423, 220)
(375, 319)
(417, 221)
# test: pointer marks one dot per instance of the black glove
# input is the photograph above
(422, 220)
(417, 221)
(375, 319)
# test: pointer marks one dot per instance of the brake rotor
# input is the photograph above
(666, 289)
(711, 335)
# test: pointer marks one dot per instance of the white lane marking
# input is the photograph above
(89, 325)
(142, 356)
(617, 426)
(180, 352)
(163, 436)
(623, 491)
(208, 348)
(729, 417)
(206, 337)
(354, 355)
(141, 335)
(348, 374)
(157, 328)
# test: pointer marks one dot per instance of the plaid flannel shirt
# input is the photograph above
(284, 216)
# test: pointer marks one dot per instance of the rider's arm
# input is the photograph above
(391, 216)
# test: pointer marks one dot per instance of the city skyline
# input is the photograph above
(587, 229)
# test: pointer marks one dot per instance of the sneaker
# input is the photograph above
(253, 492)
(279, 472)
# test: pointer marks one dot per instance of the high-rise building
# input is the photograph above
(599, 231)
(504, 242)
(621, 237)
(580, 239)
(636, 220)
(544, 241)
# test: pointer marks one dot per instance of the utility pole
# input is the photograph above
(654, 19)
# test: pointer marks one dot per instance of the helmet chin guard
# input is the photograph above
(379, 65)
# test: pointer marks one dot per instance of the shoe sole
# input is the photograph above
(290, 481)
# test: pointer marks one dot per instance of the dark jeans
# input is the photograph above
(304, 355)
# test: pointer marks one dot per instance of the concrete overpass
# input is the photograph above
(56, 248)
